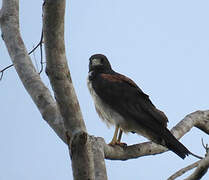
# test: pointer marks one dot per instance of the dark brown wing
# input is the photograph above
(125, 97)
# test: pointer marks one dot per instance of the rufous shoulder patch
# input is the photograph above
(118, 78)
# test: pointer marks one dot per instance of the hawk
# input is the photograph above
(120, 102)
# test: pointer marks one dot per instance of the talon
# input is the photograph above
(122, 144)
(116, 143)
(115, 140)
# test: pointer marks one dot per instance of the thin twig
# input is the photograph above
(40, 43)
(203, 144)
(41, 51)
(2, 71)
(205, 147)
(34, 56)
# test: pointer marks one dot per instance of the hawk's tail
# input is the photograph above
(174, 145)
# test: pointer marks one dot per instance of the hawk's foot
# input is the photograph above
(117, 143)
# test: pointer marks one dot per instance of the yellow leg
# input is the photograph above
(120, 135)
(114, 139)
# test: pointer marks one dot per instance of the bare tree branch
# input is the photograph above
(184, 170)
(9, 22)
(81, 156)
(201, 169)
(99, 162)
(198, 119)
(57, 68)
(59, 75)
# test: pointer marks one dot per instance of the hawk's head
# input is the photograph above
(99, 62)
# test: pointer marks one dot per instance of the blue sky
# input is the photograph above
(162, 45)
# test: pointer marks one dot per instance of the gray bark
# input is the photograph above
(57, 67)
(60, 79)
(82, 157)
(99, 162)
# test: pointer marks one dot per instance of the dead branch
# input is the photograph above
(57, 67)
(184, 170)
(201, 169)
(60, 79)
(81, 152)
(99, 158)
(199, 164)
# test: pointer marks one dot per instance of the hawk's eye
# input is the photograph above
(101, 60)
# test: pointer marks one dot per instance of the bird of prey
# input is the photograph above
(120, 102)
